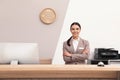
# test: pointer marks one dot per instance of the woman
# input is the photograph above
(75, 49)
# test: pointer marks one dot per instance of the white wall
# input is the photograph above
(100, 21)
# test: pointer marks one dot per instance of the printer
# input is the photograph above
(104, 55)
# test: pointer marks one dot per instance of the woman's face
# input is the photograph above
(75, 30)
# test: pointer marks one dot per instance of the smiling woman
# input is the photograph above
(75, 49)
(47, 16)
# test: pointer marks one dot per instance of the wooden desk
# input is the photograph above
(59, 71)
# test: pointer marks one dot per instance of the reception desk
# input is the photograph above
(60, 71)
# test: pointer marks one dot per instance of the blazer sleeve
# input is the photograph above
(80, 56)
(66, 58)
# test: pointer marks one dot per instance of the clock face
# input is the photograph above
(48, 16)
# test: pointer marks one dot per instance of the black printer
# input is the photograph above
(106, 53)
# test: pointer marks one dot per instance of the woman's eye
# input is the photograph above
(77, 29)
(73, 29)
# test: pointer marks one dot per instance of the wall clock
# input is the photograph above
(47, 15)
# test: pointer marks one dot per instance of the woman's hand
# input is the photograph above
(67, 54)
(85, 51)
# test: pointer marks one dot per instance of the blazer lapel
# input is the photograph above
(79, 44)
(72, 48)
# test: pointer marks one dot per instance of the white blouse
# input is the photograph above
(75, 43)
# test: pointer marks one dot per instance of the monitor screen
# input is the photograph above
(24, 53)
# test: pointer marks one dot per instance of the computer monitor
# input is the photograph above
(24, 53)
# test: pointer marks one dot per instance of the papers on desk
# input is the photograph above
(114, 62)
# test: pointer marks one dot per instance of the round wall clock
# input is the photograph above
(47, 16)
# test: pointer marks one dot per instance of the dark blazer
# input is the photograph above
(77, 56)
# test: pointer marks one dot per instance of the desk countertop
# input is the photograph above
(58, 71)
(59, 67)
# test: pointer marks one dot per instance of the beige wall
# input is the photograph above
(19, 22)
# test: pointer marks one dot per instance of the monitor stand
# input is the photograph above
(14, 62)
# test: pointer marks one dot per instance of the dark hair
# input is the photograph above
(74, 23)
